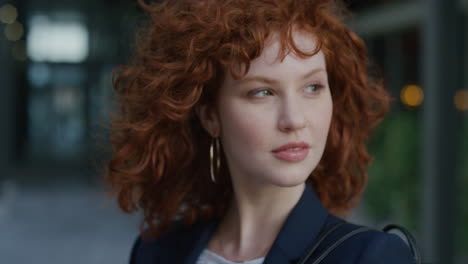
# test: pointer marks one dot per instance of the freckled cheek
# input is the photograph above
(324, 120)
(319, 117)
(245, 128)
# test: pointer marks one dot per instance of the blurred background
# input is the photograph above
(56, 59)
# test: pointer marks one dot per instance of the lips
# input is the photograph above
(292, 145)
(294, 152)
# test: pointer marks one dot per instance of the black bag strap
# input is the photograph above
(329, 248)
(409, 238)
(324, 234)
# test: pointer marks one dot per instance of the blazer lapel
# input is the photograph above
(200, 240)
(300, 229)
(298, 232)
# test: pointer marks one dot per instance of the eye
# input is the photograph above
(314, 88)
(261, 93)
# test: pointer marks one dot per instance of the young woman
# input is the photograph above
(241, 134)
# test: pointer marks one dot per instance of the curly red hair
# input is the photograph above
(160, 161)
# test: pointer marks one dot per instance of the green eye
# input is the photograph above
(314, 88)
(262, 93)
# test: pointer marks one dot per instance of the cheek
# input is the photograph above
(325, 119)
(320, 116)
(326, 116)
(244, 127)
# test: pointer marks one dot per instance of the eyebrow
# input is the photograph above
(272, 81)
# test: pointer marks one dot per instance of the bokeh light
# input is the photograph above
(14, 31)
(57, 41)
(461, 100)
(18, 51)
(8, 14)
(412, 95)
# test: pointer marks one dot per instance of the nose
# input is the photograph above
(291, 116)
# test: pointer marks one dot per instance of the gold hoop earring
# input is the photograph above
(214, 141)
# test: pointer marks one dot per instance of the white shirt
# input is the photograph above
(209, 257)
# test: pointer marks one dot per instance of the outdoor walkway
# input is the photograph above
(57, 226)
(71, 226)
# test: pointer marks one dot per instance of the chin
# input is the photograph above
(289, 179)
(288, 184)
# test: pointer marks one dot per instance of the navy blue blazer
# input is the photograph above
(184, 244)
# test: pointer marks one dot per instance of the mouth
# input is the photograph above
(292, 152)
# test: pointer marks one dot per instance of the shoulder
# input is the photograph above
(172, 244)
(382, 247)
(369, 246)
(147, 250)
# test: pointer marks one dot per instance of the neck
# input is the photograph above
(253, 220)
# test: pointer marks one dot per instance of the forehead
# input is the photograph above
(270, 63)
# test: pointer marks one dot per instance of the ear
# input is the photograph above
(209, 119)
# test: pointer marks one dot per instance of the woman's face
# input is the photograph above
(275, 104)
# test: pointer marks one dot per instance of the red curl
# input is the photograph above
(160, 161)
